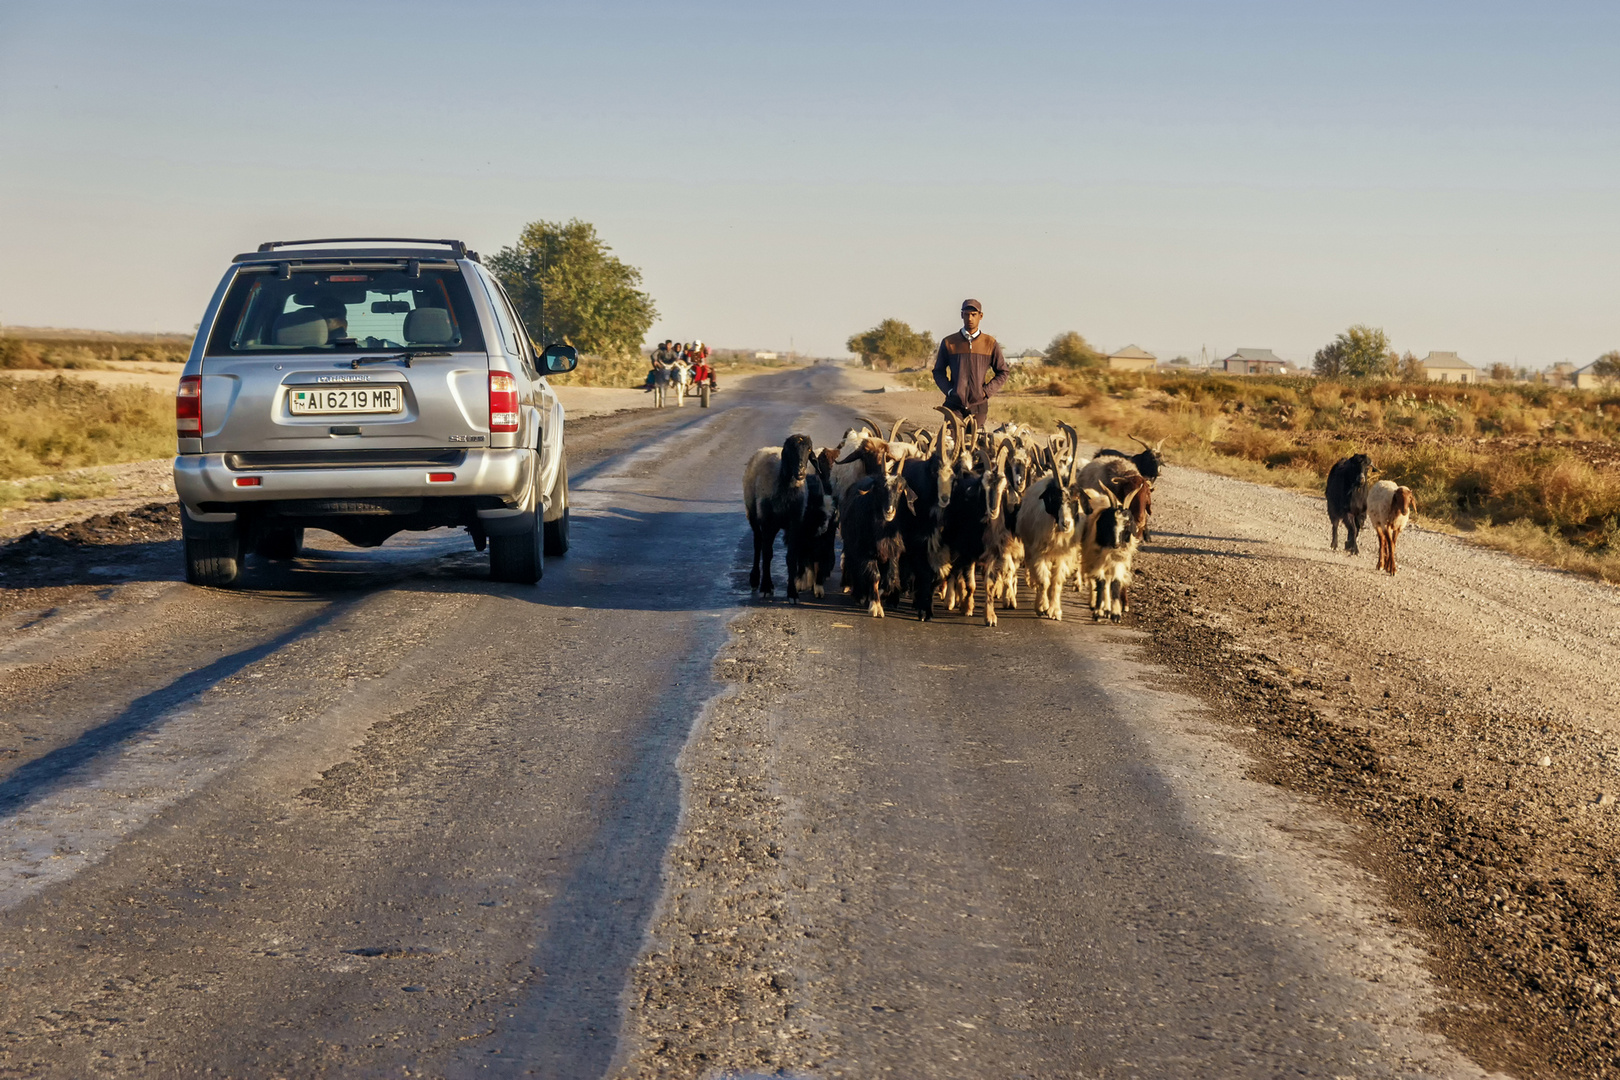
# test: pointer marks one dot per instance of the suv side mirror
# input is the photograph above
(559, 359)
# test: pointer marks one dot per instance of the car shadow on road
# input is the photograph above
(37, 778)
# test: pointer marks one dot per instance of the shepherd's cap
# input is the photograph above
(973, 305)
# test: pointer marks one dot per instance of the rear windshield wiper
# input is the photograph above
(407, 356)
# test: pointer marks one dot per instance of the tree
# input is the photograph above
(1607, 366)
(567, 286)
(1410, 368)
(891, 343)
(1501, 372)
(1069, 349)
(1329, 363)
(1359, 352)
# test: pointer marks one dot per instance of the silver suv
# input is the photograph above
(368, 386)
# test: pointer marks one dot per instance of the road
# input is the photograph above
(374, 815)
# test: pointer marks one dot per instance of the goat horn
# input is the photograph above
(1158, 445)
(1133, 438)
(1074, 455)
(873, 424)
(894, 432)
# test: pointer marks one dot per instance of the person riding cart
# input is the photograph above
(702, 371)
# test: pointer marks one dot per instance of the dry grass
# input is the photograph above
(55, 489)
(22, 350)
(51, 425)
(1534, 470)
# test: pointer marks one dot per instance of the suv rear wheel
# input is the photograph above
(213, 552)
(557, 528)
(519, 558)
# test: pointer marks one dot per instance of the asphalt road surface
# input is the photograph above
(371, 814)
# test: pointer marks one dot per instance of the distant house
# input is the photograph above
(764, 356)
(1131, 358)
(1449, 367)
(1253, 362)
(1028, 356)
(1587, 379)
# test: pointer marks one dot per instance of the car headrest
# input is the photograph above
(429, 326)
(299, 329)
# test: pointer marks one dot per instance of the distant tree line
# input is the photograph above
(893, 344)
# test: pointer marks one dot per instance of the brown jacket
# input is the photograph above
(961, 371)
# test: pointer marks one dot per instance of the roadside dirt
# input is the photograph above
(1463, 715)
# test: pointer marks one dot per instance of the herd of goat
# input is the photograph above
(931, 512)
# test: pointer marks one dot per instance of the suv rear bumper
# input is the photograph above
(208, 487)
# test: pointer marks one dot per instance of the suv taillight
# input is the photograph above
(503, 402)
(188, 407)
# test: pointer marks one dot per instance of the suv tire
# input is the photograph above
(280, 544)
(213, 552)
(557, 528)
(519, 558)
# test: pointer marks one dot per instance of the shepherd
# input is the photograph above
(963, 368)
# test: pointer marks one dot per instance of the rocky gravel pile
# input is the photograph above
(98, 550)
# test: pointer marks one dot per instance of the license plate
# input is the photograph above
(351, 399)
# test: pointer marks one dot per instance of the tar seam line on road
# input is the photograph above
(39, 777)
(569, 1026)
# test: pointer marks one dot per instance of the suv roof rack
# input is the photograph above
(459, 247)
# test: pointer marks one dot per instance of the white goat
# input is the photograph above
(1389, 508)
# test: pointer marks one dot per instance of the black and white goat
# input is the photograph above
(1120, 476)
(775, 494)
(1003, 551)
(1048, 530)
(864, 452)
(1149, 462)
(1107, 549)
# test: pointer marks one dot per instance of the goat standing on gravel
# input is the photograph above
(775, 495)
(1347, 485)
(1389, 508)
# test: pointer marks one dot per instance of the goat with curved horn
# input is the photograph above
(877, 429)
(1074, 452)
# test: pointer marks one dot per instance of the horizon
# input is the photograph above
(1174, 176)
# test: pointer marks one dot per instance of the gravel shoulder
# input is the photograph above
(1461, 716)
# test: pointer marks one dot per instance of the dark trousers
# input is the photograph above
(979, 412)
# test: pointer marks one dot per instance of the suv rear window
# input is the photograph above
(331, 310)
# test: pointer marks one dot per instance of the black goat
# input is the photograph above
(774, 495)
(817, 535)
(1347, 485)
(1148, 462)
(923, 520)
(873, 546)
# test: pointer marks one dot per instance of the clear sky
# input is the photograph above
(1171, 174)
